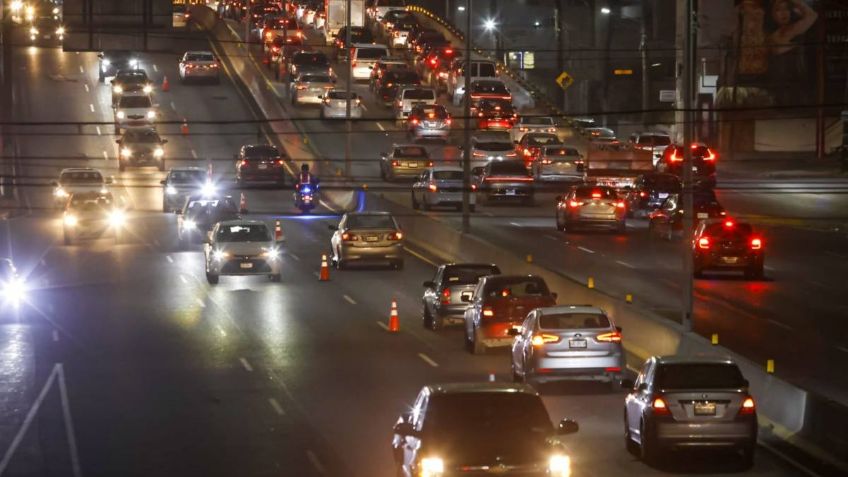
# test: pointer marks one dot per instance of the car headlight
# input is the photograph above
(117, 89)
(104, 190)
(208, 188)
(117, 218)
(158, 152)
(171, 190)
(147, 88)
(14, 289)
(126, 152)
(60, 193)
(559, 466)
(121, 114)
(60, 31)
(189, 224)
(151, 114)
(16, 5)
(33, 30)
(271, 253)
(55, 10)
(71, 220)
(432, 467)
(134, 63)
(219, 255)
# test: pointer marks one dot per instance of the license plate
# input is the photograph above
(510, 192)
(263, 166)
(246, 265)
(576, 343)
(371, 238)
(47, 37)
(702, 215)
(411, 164)
(729, 259)
(662, 195)
(705, 409)
(694, 169)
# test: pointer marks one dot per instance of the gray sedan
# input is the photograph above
(405, 161)
(441, 186)
(310, 88)
(367, 237)
(443, 294)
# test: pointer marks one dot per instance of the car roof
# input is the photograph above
(481, 387)
(184, 168)
(369, 45)
(409, 144)
(202, 196)
(200, 52)
(446, 168)
(586, 309)
(696, 359)
(651, 133)
(79, 169)
(242, 222)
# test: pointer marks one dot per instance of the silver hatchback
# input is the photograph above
(568, 342)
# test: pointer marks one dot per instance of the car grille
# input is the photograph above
(234, 265)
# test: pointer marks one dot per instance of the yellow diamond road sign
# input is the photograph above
(564, 80)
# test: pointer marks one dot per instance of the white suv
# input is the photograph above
(242, 247)
(408, 97)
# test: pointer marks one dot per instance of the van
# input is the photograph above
(364, 56)
(408, 97)
(480, 70)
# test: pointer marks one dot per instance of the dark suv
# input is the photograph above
(725, 244)
(649, 192)
(480, 429)
(505, 180)
(260, 163)
(500, 303)
(130, 81)
(112, 61)
(443, 294)
(703, 163)
(667, 220)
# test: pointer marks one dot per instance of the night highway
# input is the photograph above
(121, 358)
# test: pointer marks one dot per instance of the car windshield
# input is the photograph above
(430, 36)
(516, 287)
(46, 23)
(310, 59)
(200, 57)
(699, 376)
(542, 139)
(665, 182)
(79, 177)
(651, 140)
(371, 53)
(572, 321)
(148, 135)
(447, 175)
(119, 56)
(243, 233)
(135, 102)
(405, 25)
(131, 77)
(404, 77)
(704, 197)
(509, 168)
(358, 35)
(494, 146)
(596, 193)
(735, 231)
(410, 151)
(261, 151)
(469, 422)
(89, 203)
(315, 79)
(539, 121)
(341, 95)
(467, 274)
(371, 221)
(187, 177)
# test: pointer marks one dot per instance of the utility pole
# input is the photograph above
(560, 60)
(466, 151)
(643, 49)
(6, 99)
(349, 93)
(688, 76)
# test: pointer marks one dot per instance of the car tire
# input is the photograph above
(621, 228)
(424, 204)
(67, 238)
(276, 278)
(427, 319)
(648, 451)
(101, 77)
(121, 166)
(469, 346)
(161, 166)
(477, 345)
(472, 208)
(212, 278)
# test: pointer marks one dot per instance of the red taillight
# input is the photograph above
(643, 194)
(448, 121)
(433, 61)
(395, 163)
(275, 49)
(710, 155)
(243, 163)
(756, 243)
(596, 195)
(574, 203)
(487, 311)
(348, 237)
(611, 337)
(675, 157)
(433, 188)
(413, 121)
(620, 204)
(395, 236)
(279, 162)
(704, 243)
(539, 340)
(660, 407)
(473, 187)
(446, 296)
(748, 407)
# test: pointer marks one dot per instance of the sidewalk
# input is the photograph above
(778, 165)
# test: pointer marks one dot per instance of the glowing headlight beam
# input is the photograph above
(117, 218)
(432, 467)
(559, 466)
(189, 224)
(171, 190)
(71, 220)
(219, 255)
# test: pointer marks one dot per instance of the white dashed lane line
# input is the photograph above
(587, 250)
(200, 303)
(382, 325)
(105, 155)
(247, 367)
(779, 324)
(168, 257)
(91, 107)
(173, 106)
(97, 128)
(194, 153)
(184, 279)
(349, 299)
(624, 264)
(428, 360)
(87, 90)
(82, 70)
(380, 126)
(315, 462)
(277, 408)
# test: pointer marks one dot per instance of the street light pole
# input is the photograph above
(688, 74)
(466, 151)
(349, 94)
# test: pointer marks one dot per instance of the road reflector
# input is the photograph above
(529, 258)
(622, 72)
(770, 366)
(714, 339)
(590, 283)
(628, 298)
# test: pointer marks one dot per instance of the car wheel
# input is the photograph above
(121, 166)
(67, 238)
(559, 225)
(629, 443)
(275, 277)
(469, 345)
(516, 378)
(478, 347)
(472, 208)
(162, 165)
(212, 278)
(424, 204)
(648, 451)
(101, 77)
(427, 320)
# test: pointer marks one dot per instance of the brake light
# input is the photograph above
(539, 340)
(756, 243)
(429, 163)
(353, 63)
(748, 407)
(433, 61)
(674, 157)
(269, 35)
(620, 204)
(710, 155)
(527, 152)
(643, 194)
(395, 163)
(704, 243)
(448, 51)
(473, 187)
(279, 162)
(348, 237)
(479, 154)
(395, 236)
(446, 296)
(596, 195)
(243, 163)
(574, 203)
(547, 161)
(660, 407)
(487, 311)
(275, 49)
(728, 224)
(413, 121)
(448, 121)
(433, 187)
(611, 337)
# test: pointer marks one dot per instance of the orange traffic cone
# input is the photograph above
(324, 276)
(394, 323)
(184, 127)
(243, 204)
(166, 86)
(278, 232)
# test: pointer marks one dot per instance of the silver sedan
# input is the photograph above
(367, 237)
(310, 88)
(441, 186)
(334, 105)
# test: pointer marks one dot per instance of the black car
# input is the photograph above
(392, 82)
(725, 244)
(649, 192)
(443, 294)
(505, 180)
(141, 146)
(112, 61)
(200, 213)
(260, 163)
(668, 218)
(129, 82)
(703, 163)
(480, 429)
(309, 62)
(358, 34)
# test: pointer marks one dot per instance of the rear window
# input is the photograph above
(509, 168)
(572, 321)
(316, 79)
(542, 140)
(243, 233)
(467, 275)
(187, 177)
(494, 146)
(311, 59)
(419, 94)
(561, 151)
(371, 222)
(405, 77)
(665, 182)
(654, 140)
(485, 70)
(447, 175)
(410, 151)
(261, 151)
(80, 176)
(542, 121)
(200, 57)
(341, 95)
(503, 287)
(371, 53)
(135, 102)
(360, 36)
(596, 193)
(131, 76)
(489, 87)
(737, 231)
(699, 376)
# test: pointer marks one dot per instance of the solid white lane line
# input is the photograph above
(294, 256)
(246, 365)
(428, 360)
(168, 257)
(82, 70)
(421, 257)
(382, 325)
(184, 279)
(70, 435)
(194, 153)
(277, 408)
(97, 128)
(155, 68)
(349, 299)
(779, 324)
(624, 264)
(587, 250)
(91, 107)
(380, 126)
(315, 462)
(55, 335)
(200, 303)
(87, 90)
(515, 224)
(105, 155)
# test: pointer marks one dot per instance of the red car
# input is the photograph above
(530, 147)
(496, 114)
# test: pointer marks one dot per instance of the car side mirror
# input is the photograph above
(465, 298)
(405, 429)
(627, 383)
(163, 182)
(333, 227)
(554, 295)
(567, 426)
(429, 284)
(513, 332)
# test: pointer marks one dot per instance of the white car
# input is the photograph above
(242, 247)
(363, 58)
(526, 124)
(78, 180)
(489, 146)
(199, 65)
(334, 105)
(441, 186)
(134, 110)
(408, 97)
(310, 88)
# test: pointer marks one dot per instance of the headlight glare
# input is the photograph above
(158, 152)
(121, 115)
(33, 31)
(71, 220)
(117, 89)
(189, 224)
(559, 465)
(219, 255)
(117, 218)
(126, 152)
(171, 190)
(60, 192)
(432, 467)
(208, 188)
(15, 289)
(106, 62)
(271, 253)
(60, 31)
(151, 114)
(147, 88)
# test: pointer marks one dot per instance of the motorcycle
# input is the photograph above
(304, 196)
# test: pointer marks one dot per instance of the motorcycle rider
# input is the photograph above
(305, 178)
